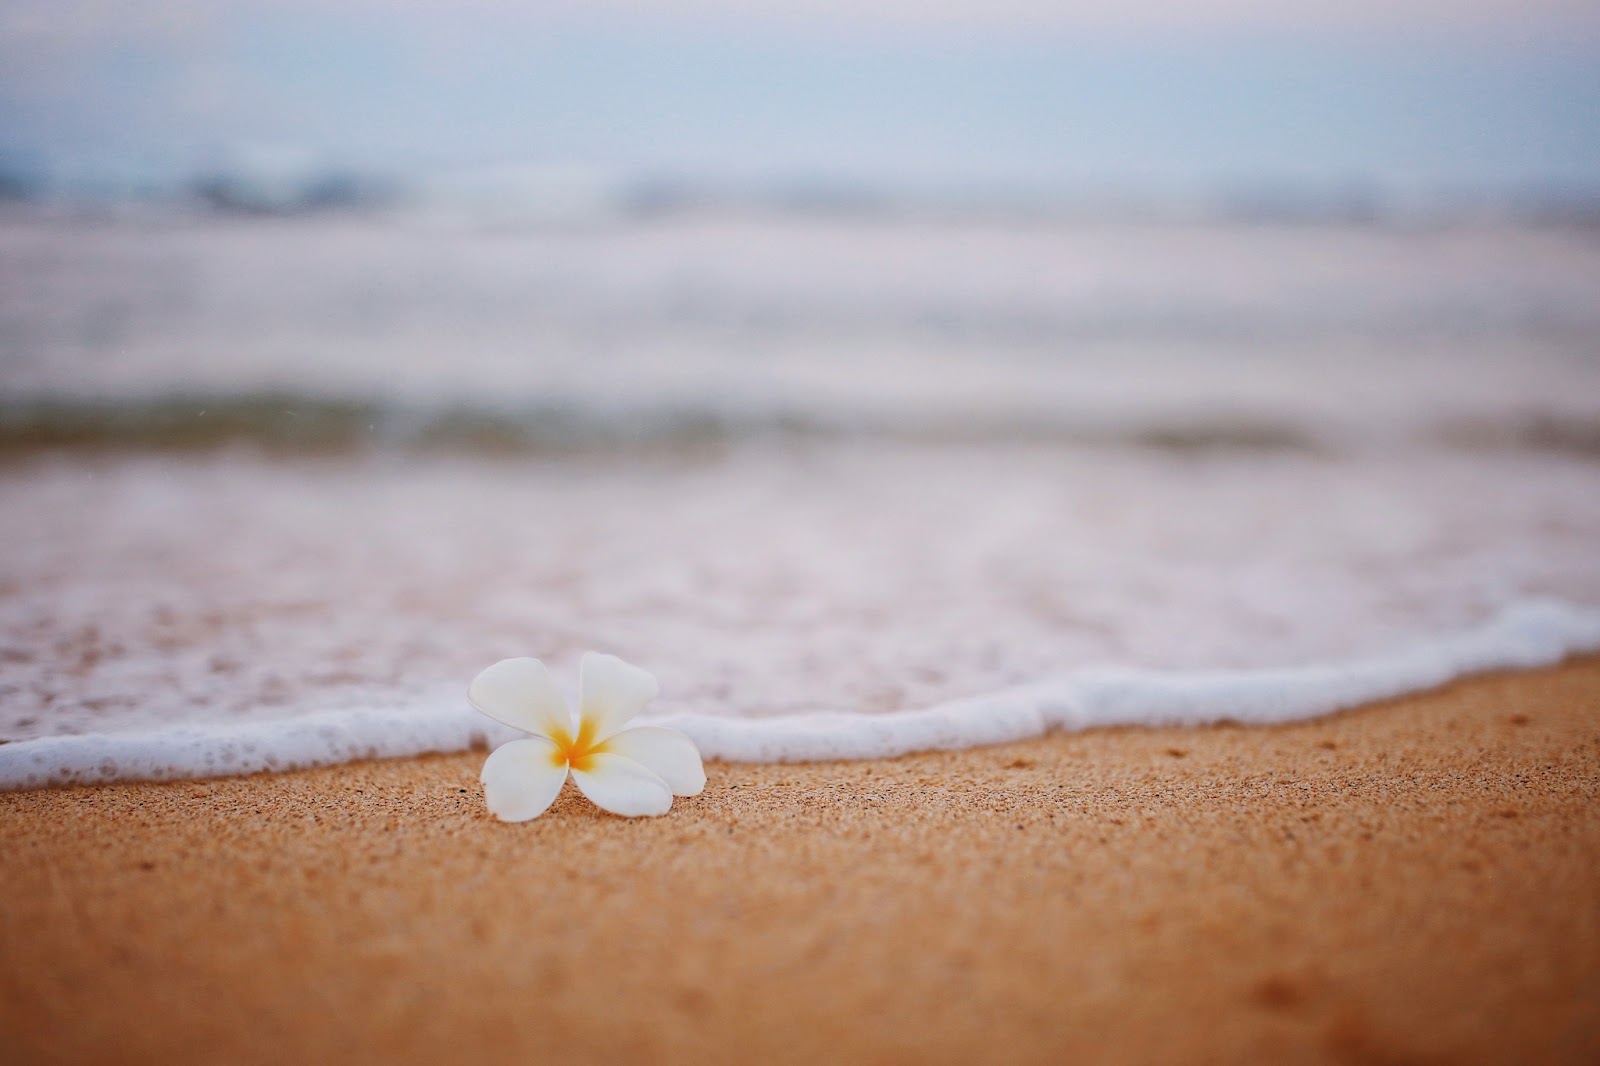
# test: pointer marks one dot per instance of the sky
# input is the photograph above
(1147, 94)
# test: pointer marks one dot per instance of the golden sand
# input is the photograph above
(1417, 881)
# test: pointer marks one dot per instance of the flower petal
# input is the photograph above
(522, 778)
(667, 753)
(611, 692)
(622, 786)
(521, 693)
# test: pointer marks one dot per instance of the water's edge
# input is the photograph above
(1522, 636)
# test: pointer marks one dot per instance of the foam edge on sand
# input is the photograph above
(1523, 635)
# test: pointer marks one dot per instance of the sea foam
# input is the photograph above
(1524, 635)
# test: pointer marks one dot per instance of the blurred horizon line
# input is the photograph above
(534, 193)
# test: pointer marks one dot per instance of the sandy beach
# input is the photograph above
(1410, 882)
(1111, 492)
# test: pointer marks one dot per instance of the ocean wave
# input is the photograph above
(310, 423)
(1524, 635)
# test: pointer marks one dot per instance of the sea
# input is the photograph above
(850, 479)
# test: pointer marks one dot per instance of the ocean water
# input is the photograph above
(273, 489)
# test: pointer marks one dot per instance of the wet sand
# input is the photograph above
(1417, 881)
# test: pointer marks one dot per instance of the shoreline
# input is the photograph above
(1527, 634)
(1409, 881)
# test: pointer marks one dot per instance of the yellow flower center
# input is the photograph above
(576, 752)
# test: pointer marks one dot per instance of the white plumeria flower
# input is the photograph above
(630, 772)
